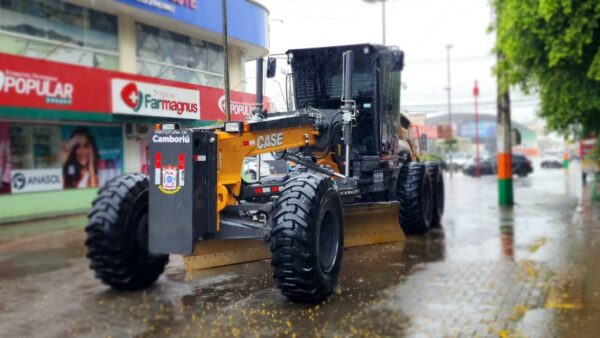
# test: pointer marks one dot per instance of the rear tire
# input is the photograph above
(416, 198)
(117, 235)
(307, 239)
(437, 183)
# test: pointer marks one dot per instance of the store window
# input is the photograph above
(174, 56)
(39, 157)
(59, 31)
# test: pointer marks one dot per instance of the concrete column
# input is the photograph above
(236, 71)
(127, 44)
(127, 64)
(132, 150)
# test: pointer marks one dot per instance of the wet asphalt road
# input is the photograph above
(529, 271)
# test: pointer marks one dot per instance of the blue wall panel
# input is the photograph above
(246, 21)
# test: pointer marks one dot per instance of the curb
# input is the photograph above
(39, 217)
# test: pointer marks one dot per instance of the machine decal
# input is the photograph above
(269, 140)
(169, 178)
(171, 139)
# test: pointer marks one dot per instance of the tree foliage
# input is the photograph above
(553, 47)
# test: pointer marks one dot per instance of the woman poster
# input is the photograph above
(80, 159)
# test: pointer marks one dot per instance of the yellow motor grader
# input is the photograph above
(354, 155)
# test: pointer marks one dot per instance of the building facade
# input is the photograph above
(464, 131)
(83, 81)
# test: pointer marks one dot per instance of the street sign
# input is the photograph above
(444, 132)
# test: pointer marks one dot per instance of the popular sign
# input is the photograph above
(147, 99)
(48, 87)
(30, 83)
(36, 180)
(241, 109)
(30, 86)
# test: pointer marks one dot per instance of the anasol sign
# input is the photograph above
(148, 99)
(36, 180)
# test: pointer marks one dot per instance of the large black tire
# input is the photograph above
(416, 198)
(117, 235)
(437, 183)
(307, 239)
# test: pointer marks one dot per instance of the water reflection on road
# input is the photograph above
(488, 272)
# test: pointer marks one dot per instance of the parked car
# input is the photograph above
(436, 159)
(460, 161)
(552, 159)
(250, 170)
(521, 166)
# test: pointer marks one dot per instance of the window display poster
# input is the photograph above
(90, 155)
(5, 177)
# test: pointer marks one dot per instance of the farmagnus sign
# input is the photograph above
(147, 99)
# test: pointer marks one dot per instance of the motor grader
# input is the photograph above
(353, 147)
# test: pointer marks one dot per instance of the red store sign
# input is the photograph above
(32, 83)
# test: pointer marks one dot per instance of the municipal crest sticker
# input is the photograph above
(169, 178)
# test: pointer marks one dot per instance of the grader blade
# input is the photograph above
(365, 224)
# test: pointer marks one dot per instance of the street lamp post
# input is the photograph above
(478, 163)
(449, 89)
(226, 63)
(382, 16)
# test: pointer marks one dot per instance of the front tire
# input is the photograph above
(437, 182)
(117, 235)
(416, 198)
(307, 239)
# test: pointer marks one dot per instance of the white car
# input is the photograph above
(250, 172)
(552, 159)
(460, 161)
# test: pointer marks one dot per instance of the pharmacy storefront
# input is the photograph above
(66, 129)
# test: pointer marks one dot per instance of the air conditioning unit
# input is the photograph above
(136, 131)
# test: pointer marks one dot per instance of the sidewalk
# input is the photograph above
(579, 279)
(19, 208)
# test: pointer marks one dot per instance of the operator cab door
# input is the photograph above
(389, 86)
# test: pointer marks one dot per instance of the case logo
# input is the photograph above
(169, 178)
(269, 140)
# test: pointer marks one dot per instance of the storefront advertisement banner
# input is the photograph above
(242, 104)
(147, 99)
(39, 84)
(35, 180)
(25, 82)
(90, 155)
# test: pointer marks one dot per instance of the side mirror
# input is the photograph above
(397, 60)
(516, 137)
(271, 67)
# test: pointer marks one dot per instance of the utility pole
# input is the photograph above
(477, 159)
(449, 89)
(383, 19)
(382, 16)
(505, 184)
(226, 63)
(504, 135)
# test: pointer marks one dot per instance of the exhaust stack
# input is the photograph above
(258, 111)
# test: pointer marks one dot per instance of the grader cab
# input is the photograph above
(348, 137)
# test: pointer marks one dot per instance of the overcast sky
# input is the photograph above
(422, 28)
